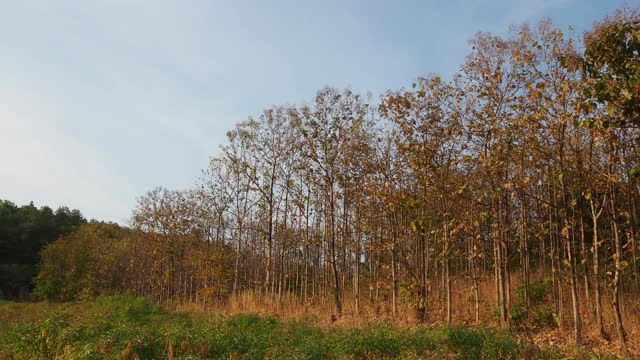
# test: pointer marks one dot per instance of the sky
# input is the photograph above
(103, 100)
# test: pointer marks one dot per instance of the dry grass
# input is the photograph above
(288, 306)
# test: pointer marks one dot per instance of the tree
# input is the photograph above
(611, 68)
(24, 232)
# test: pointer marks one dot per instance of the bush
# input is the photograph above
(137, 310)
(518, 313)
(465, 342)
(538, 314)
(499, 345)
(543, 316)
(538, 290)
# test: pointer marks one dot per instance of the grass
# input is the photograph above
(122, 327)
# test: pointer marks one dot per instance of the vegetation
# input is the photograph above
(507, 196)
(128, 328)
(24, 231)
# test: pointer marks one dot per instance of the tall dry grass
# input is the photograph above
(320, 310)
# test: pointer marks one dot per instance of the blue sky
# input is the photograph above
(103, 100)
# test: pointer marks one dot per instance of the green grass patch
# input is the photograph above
(124, 327)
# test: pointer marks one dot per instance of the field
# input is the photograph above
(123, 327)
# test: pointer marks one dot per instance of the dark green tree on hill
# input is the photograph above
(24, 231)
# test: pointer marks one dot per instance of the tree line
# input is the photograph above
(24, 231)
(520, 172)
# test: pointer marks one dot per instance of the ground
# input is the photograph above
(123, 327)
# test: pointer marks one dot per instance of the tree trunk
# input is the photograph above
(617, 279)
(596, 270)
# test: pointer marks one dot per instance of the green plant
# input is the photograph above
(128, 327)
(543, 316)
(538, 290)
(518, 313)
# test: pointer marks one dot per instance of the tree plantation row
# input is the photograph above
(510, 189)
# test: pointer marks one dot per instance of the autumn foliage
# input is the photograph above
(508, 193)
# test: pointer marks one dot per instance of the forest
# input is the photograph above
(24, 231)
(506, 194)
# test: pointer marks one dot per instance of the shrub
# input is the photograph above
(543, 316)
(538, 290)
(136, 310)
(518, 313)
(467, 343)
(499, 345)
(538, 314)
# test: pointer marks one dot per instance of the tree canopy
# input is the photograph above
(24, 231)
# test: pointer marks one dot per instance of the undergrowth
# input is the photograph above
(123, 327)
